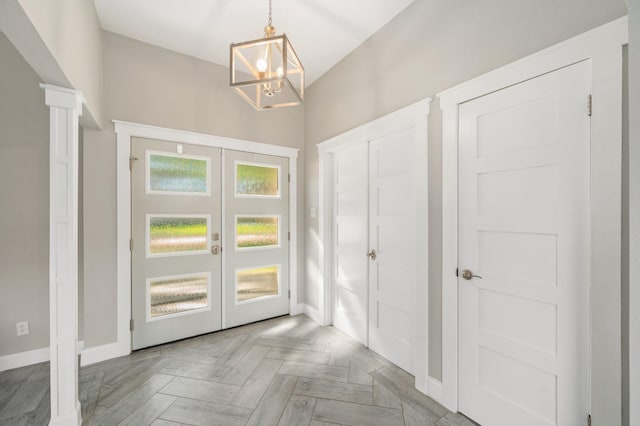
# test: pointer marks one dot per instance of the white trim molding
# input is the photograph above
(65, 108)
(415, 116)
(23, 359)
(124, 132)
(601, 46)
(633, 401)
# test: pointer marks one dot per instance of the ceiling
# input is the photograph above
(321, 31)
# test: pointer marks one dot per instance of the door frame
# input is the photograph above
(414, 116)
(601, 46)
(124, 132)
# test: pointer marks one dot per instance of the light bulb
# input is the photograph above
(261, 65)
(280, 72)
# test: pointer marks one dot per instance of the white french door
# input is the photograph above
(524, 170)
(210, 246)
(374, 244)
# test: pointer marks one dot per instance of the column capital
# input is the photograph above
(63, 97)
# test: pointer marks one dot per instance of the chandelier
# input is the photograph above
(266, 72)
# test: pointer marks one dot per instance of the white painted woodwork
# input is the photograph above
(351, 241)
(65, 107)
(634, 216)
(150, 331)
(124, 132)
(373, 180)
(603, 47)
(243, 312)
(524, 228)
(392, 209)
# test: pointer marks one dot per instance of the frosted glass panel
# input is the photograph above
(168, 173)
(260, 231)
(174, 295)
(256, 283)
(177, 234)
(257, 180)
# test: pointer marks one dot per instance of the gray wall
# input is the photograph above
(431, 46)
(24, 204)
(150, 85)
(71, 32)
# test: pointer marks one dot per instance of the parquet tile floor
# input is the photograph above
(283, 371)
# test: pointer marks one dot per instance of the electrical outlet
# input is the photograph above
(22, 328)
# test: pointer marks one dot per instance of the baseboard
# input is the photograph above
(297, 309)
(105, 352)
(313, 313)
(435, 389)
(22, 359)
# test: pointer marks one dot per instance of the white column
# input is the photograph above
(634, 212)
(65, 106)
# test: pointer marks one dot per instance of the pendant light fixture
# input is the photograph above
(266, 72)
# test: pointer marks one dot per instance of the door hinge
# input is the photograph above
(289, 178)
(457, 272)
(289, 293)
(130, 244)
(131, 324)
(131, 160)
(289, 235)
(589, 420)
(589, 105)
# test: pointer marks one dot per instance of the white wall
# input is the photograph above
(150, 85)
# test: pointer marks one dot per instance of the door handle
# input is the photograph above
(467, 275)
(372, 254)
(215, 249)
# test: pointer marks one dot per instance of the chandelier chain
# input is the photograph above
(269, 13)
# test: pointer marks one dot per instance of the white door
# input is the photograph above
(256, 237)
(374, 245)
(351, 241)
(392, 236)
(524, 228)
(176, 215)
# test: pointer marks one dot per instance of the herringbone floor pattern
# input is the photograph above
(284, 371)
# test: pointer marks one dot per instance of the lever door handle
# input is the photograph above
(467, 275)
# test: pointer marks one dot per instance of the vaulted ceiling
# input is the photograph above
(322, 31)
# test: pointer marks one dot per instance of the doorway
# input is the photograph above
(210, 239)
(375, 235)
(594, 60)
(523, 243)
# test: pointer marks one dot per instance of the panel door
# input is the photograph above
(175, 222)
(392, 236)
(351, 242)
(256, 237)
(524, 229)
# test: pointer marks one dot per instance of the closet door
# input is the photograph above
(392, 237)
(350, 242)
(374, 243)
